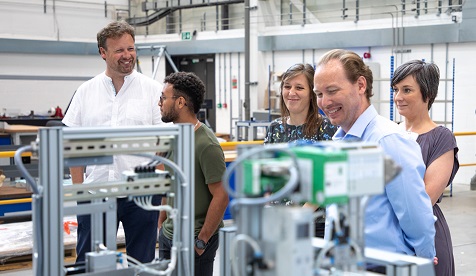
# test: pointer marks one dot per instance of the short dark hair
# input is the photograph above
(427, 75)
(114, 30)
(189, 86)
(353, 65)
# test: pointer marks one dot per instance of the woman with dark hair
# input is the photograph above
(415, 86)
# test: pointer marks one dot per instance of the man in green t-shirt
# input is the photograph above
(180, 101)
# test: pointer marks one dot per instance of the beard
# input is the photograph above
(170, 116)
(119, 67)
(126, 68)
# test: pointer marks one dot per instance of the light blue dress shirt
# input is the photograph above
(400, 220)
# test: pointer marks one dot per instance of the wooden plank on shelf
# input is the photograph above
(7, 128)
(12, 192)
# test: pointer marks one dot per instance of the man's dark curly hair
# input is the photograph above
(189, 86)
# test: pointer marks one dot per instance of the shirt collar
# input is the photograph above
(131, 76)
(358, 128)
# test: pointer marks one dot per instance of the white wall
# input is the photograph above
(40, 95)
(82, 24)
(227, 67)
(63, 20)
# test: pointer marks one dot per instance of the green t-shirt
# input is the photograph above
(209, 168)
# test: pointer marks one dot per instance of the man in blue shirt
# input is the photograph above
(401, 219)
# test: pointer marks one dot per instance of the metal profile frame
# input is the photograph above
(162, 51)
(250, 129)
(51, 253)
(51, 160)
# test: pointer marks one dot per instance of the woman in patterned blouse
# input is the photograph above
(300, 118)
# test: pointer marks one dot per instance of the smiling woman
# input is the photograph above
(300, 118)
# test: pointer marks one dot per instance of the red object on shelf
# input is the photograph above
(67, 224)
(58, 112)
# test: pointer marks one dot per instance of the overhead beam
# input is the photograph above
(162, 12)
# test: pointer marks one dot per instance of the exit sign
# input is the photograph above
(186, 36)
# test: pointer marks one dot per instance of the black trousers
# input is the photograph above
(203, 263)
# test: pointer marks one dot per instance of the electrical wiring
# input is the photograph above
(358, 252)
(37, 189)
(145, 202)
(330, 244)
(322, 254)
(165, 161)
(332, 216)
(140, 267)
(288, 188)
(254, 244)
(332, 212)
(154, 162)
(148, 204)
(37, 203)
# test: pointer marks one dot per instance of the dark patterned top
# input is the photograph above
(280, 133)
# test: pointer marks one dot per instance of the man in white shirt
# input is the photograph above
(120, 96)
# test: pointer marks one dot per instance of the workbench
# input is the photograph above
(13, 199)
(36, 121)
(20, 134)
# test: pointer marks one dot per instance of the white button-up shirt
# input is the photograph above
(95, 103)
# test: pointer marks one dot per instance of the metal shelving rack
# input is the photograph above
(54, 142)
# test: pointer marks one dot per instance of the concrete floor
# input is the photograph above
(460, 213)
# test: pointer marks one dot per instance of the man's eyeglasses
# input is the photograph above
(163, 98)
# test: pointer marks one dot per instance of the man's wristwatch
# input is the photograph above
(200, 244)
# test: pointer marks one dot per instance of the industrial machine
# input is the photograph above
(70, 147)
(274, 235)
